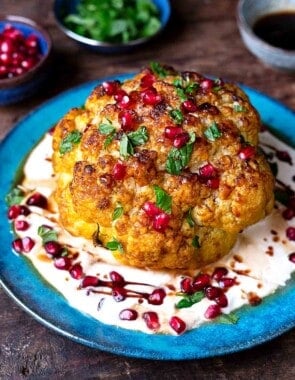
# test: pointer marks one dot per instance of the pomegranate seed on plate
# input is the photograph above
(157, 296)
(90, 281)
(292, 257)
(127, 120)
(147, 80)
(161, 221)
(116, 278)
(227, 282)
(119, 294)
(76, 271)
(189, 106)
(211, 292)
(17, 245)
(128, 315)
(38, 200)
(288, 213)
(14, 211)
(186, 285)
(247, 152)
(213, 183)
(208, 171)
(151, 319)
(221, 300)
(290, 233)
(207, 84)
(119, 94)
(28, 244)
(201, 281)
(151, 97)
(177, 324)
(212, 311)
(219, 272)
(63, 263)
(119, 171)
(110, 88)
(21, 225)
(180, 140)
(171, 132)
(151, 209)
(53, 248)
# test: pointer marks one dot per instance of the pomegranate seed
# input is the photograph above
(151, 319)
(117, 279)
(151, 97)
(90, 281)
(119, 95)
(284, 156)
(17, 245)
(292, 257)
(221, 300)
(31, 41)
(161, 221)
(28, 63)
(227, 282)
(247, 152)
(151, 209)
(157, 297)
(7, 46)
(63, 263)
(53, 248)
(212, 292)
(38, 200)
(14, 211)
(119, 171)
(126, 102)
(208, 171)
(127, 120)
(186, 285)
(128, 315)
(76, 271)
(213, 183)
(177, 324)
(110, 88)
(28, 244)
(172, 132)
(207, 85)
(147, 80)
(219, 272)
(119, 294)
(288, 213)
(290, 233)
(212, 311)
(21, 225)
(201, 281)
(180, 140)
(189, 106)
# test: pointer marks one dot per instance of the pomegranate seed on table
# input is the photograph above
(38, 200)
(171, 132)
(212, 311)
(116, 278)
(21, 225)
(201, 281)
(128, 315)
(119, 171)
(157, 297)
(151, 319)
(53, 248)
(90, 281)
(177, 324)
(63, 263)
(76, 271)
(247, 152)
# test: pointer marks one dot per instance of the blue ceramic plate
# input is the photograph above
(256, 324)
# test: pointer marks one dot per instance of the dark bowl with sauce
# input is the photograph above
(267, 28)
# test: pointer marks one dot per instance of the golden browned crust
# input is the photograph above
(207, 211)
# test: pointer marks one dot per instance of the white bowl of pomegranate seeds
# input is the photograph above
(25, 49)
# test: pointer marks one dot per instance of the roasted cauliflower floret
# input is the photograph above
(163, 169)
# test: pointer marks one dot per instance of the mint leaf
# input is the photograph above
(47, 234)
(138, 137)
(117, 212)
(177, 116)
(106, 128)
(179, 158)
(71, 139)
(14, 197)
(114, 245)
(158, 69)
(189, 300)
(230, 318)
(126, 148)
(212, 133)
(163, 199)
(189, 218)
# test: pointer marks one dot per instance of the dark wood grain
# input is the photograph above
(202, 36)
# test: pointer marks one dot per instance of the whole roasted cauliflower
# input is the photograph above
(163, 169)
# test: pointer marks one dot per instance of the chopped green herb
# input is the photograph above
(212, 133)
(114, 245)
(189, 218)
(230, 318)
(158, 69)
(126, 147)
(217, 85)
(189, 300)
(181, 94)
(114, 21)
(106, 128)
(179, 158)
(117, 212)
(196, 242)
(47, 234)
(239, 108)
(163, 199)
(177, 116)
(138, 137)
(191, 88)
(14, 197)
(71, 139)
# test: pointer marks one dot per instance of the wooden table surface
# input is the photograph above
(201, 36)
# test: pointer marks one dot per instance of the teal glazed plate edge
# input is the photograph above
(256, 325)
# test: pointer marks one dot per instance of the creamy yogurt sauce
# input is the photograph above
(259, 262)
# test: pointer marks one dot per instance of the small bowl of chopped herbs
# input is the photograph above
(112, 26)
